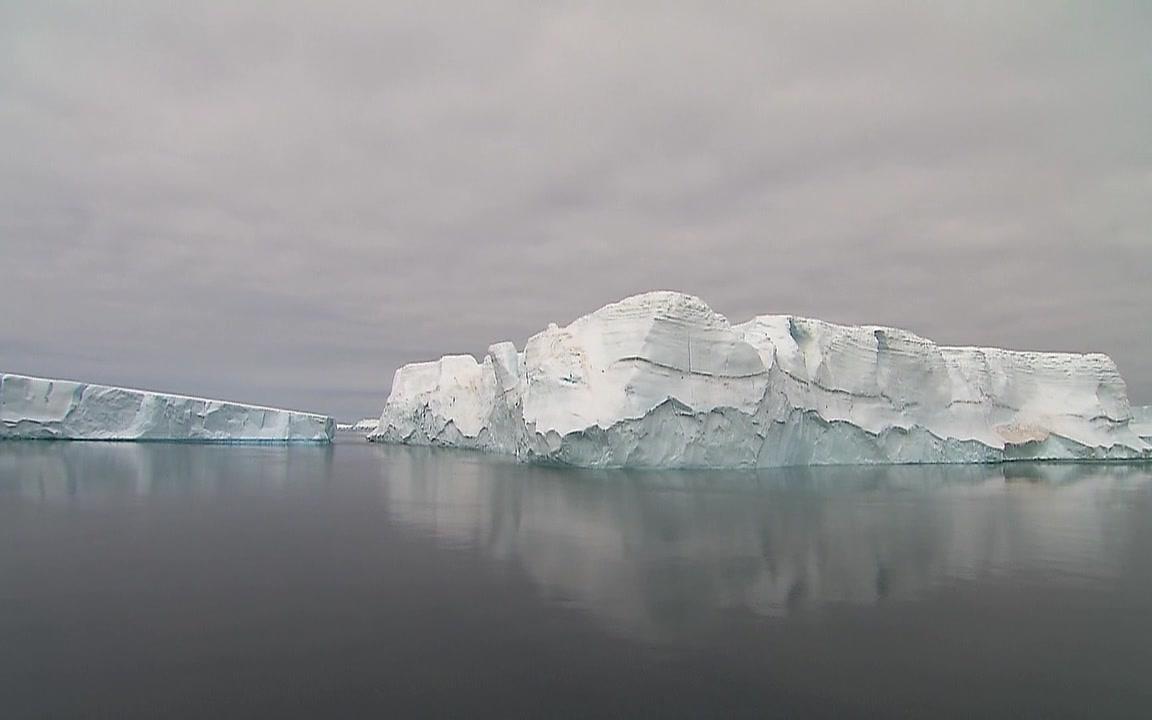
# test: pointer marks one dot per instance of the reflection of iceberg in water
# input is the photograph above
(55, 470)
(656, 553)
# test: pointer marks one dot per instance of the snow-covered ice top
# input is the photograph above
(662, 380)
(40, 408)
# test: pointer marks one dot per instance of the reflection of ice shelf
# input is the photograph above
(38, 408)
(772, 541)
(661, 380)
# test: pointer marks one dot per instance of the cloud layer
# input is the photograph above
(280, 202)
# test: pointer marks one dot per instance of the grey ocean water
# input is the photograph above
(176, 580)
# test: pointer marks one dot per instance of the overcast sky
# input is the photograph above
(281, 202)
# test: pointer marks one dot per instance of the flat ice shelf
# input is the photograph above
(41, 408)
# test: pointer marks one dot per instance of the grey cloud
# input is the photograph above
(280, 202)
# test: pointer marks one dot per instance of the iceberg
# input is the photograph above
(662, 380)
(39, 408)
(365, 425)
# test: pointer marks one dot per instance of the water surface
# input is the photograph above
(176, 580)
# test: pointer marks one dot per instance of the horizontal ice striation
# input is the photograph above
(39, 408)
(661, 380)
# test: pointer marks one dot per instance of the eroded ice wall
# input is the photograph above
(661, 380)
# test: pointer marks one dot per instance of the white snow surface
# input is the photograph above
(41, 408)
(661, 380)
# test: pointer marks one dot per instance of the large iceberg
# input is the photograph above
(661, 380)
(39, 408)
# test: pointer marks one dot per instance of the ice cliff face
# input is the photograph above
(38, 408)
(661, 380)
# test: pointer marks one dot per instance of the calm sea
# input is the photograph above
(172, 580)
